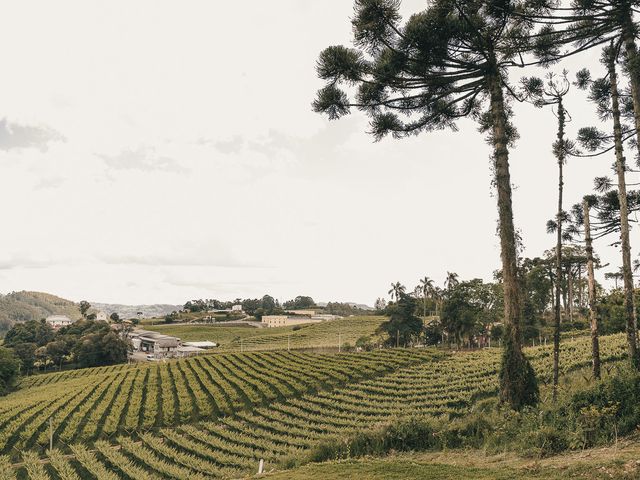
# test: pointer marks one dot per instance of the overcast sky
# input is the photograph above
(156, 151)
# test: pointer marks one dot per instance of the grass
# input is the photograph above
(220, 334)
(619, 462)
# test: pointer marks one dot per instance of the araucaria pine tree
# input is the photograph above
(447, 62)
(605, 94)
(589, 23)
(552, 93)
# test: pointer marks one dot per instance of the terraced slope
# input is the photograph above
(318, 335)
(230, 446)
(87, 405)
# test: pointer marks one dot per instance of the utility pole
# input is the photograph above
(50, 434)
(397, 338)
(339, 342)
(288, 342)
(241, 346)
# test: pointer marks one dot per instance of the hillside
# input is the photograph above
(24, 306)
(217, 415)
(318, 335)
(131, 311)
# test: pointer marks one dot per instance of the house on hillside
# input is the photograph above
(272, 321)
(101, 316)
(58, 321)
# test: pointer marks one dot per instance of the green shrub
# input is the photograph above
(544, 441)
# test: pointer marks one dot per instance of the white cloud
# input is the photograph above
(145, 159)
(16, 136)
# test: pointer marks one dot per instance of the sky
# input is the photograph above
(156, 151)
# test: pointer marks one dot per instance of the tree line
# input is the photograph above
(35, 346)
(455, 60)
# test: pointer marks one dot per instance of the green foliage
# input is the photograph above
(403, 326)
(37, 332)
(299, 303)
(9, 365)
(26, 353)
(84, 307)
(518, 384)
(470, 307)
(403, 434)
(364, 343)
(86, 342)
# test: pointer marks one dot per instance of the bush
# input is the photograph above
(400, 435)
(544, 441)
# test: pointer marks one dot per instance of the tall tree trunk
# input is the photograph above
(633, 65)
(580, 287)
(624, 216)
(556, 324)
(518, 386)
(595, 344)
(571, 291)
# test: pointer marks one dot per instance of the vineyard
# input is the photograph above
(315, 336)
(218, 415)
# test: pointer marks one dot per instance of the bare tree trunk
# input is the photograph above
(580, 287)
(624, 216)
(517, 379)
(595, 343)
(570, 288)
(559, 216)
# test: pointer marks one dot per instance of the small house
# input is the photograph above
(58, 321)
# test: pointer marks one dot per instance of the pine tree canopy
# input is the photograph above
(426, 73)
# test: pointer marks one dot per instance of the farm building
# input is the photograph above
(58, 321)
(203, 345)
(156, 344)
(187, 351)
(286, 321)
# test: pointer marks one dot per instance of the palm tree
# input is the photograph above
(426, 285)
(397, 289)
(451, 280)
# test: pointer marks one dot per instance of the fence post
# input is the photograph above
(261, 466)
(50, 434)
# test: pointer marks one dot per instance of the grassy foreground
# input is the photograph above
(619, 462)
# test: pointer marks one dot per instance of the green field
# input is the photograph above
(315, 336)
(217, 415)
(619, 462)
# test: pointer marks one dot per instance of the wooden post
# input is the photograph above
(288, 342)
(50, 434)
(339, 342)
(397, 338)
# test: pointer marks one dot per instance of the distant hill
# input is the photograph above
(131, 311)
(25, 306)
